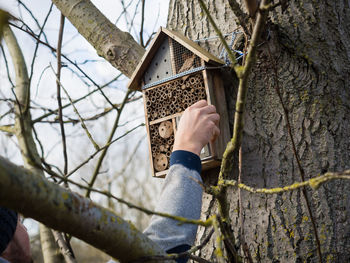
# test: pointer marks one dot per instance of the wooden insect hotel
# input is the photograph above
(173, 74)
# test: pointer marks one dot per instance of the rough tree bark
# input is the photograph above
(310, 44)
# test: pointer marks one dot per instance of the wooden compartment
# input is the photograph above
(174, 74)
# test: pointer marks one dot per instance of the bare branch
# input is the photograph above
(243, 73)
(97, 147)
(314, 183)
(240, 17)
(101, 149)
(114, 45)
(219, 250)
(65, 211)
(59, 101)
(7, 128)
(218, 32)
(142, 23)
(110, 138)
(65, 250)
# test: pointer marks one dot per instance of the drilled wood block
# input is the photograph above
(164, 106)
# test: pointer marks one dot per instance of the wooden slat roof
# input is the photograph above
(136, 78)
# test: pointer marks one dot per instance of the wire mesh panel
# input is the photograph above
(183, 58)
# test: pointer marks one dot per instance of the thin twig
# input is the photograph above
(101, 149)
(69, 60)
(37, 43)
(218, 32)
(76, 111)
(63, 244)
(142, 22)
(76, 100)
(243, 73)
(240, 17)
(59, 101)
(6, 65)
(219, 250)
(314, 183)
(110, 138)
(65, 250)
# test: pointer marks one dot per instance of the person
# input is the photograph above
(14, 239)
(181, 194)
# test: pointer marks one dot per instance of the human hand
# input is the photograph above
(18, 250)
(199, 125)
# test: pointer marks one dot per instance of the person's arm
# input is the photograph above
(181, 194)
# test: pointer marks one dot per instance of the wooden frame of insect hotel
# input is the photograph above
(173, 74)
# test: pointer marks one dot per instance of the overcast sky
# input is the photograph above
(78, 49)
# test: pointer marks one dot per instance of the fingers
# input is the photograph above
(203, 106)
(216, 133)
(208, 109)
(199, 104)
(214, 117)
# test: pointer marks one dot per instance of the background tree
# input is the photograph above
(298, 90)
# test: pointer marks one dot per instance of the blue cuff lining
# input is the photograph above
(187, 159)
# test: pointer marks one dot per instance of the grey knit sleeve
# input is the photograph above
(181, 196)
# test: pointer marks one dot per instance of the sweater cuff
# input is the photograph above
(187, 159)
(8, 224)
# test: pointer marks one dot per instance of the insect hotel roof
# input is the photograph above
(169, 44)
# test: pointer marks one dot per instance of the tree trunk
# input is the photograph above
(310, 44)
